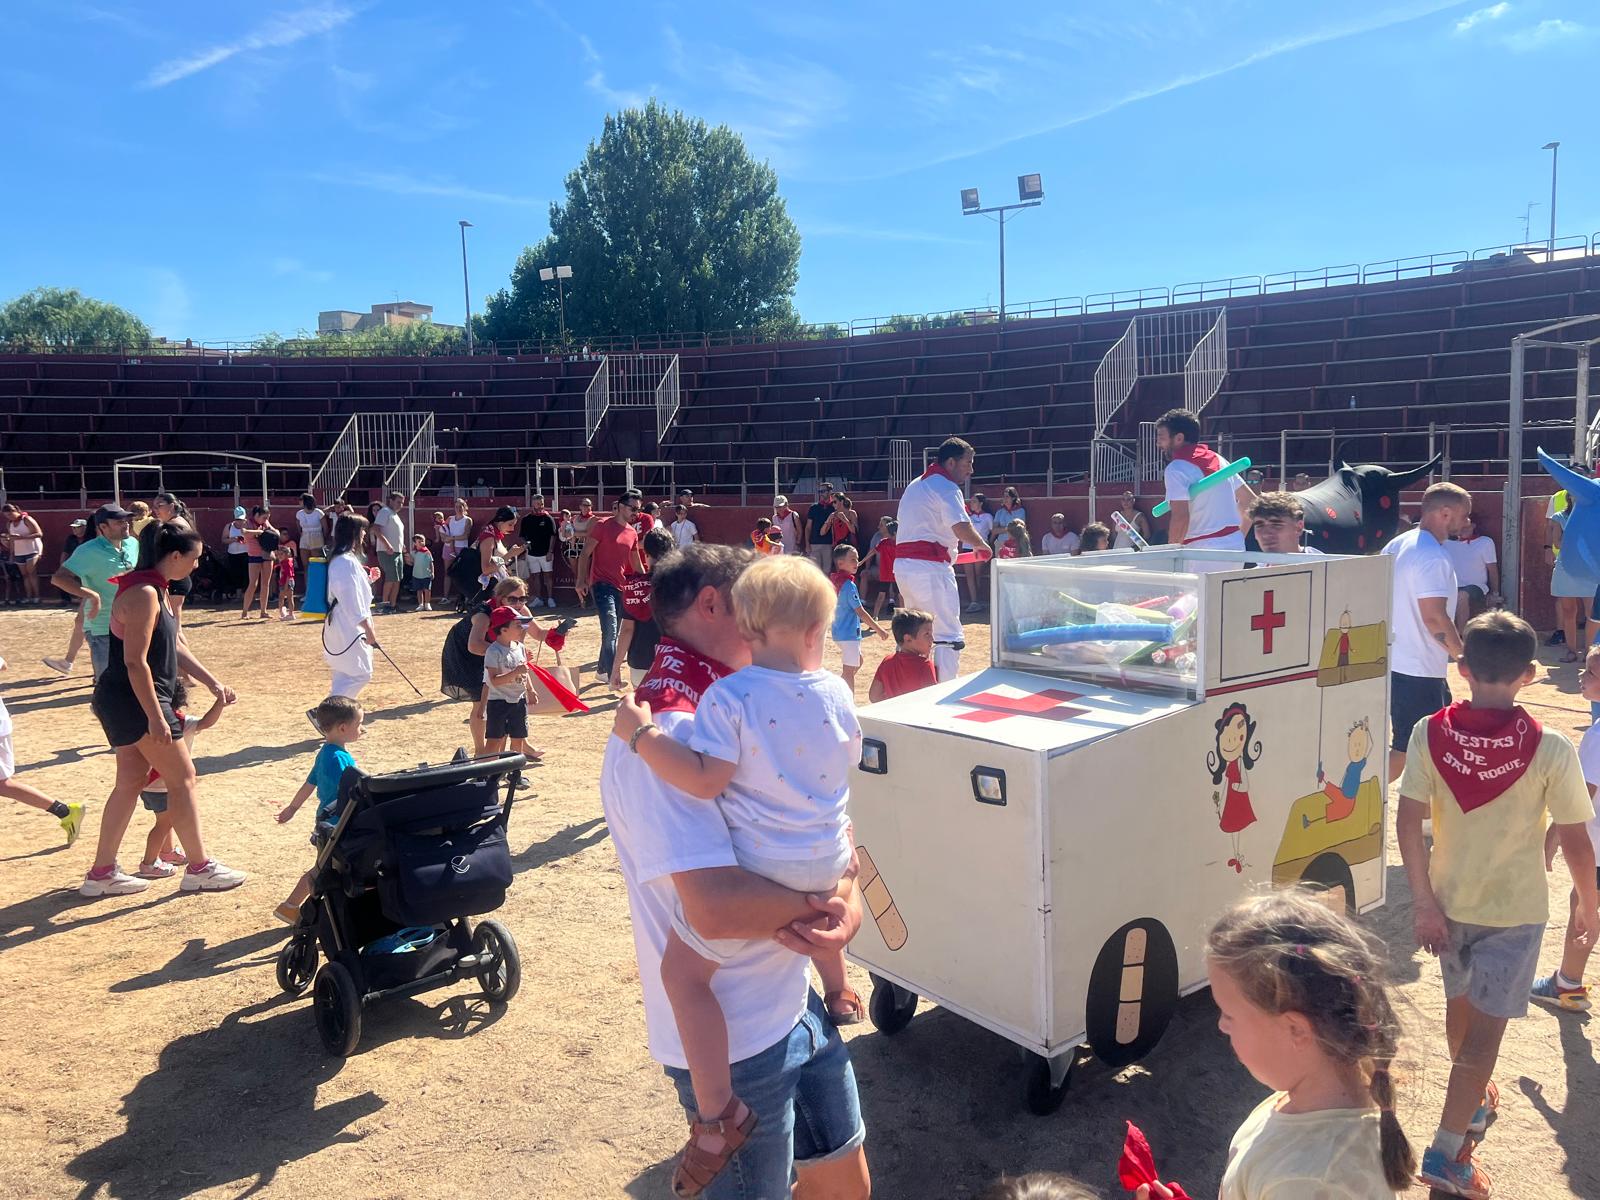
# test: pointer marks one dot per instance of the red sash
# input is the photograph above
(1481, 752)
(678, 678)
(1202, 537)
(922, 552)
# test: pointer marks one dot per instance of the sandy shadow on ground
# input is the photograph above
(1574, 1126)
(198, 961)
(71, 754)
(563, 844)
(29, 920)
(184, 1132)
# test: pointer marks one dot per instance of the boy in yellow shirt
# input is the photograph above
(1488, 775)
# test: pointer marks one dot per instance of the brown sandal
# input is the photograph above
(711, 1146)
(844, 1007)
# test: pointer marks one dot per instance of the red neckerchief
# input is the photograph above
(1481, 752)
(1137, 1165)
(678, 678)
(839, 579)
(935, 469)
(1199, 455)
(133, 579)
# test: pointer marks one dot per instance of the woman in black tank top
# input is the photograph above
(133, 699)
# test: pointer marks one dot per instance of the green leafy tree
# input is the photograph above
(669, 225)
(65, 319)
(415, 338)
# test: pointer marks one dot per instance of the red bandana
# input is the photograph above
(1200, 455)
(1137, 1165)
(133, 579)
(1481, 752)
(935, 469)
(678, 678)
(839, 579)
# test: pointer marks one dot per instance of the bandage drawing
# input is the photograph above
(1132, 991)
(879, 902)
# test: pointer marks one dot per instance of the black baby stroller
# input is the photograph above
(414, 854)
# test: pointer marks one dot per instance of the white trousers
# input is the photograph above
(931, 587)
(349, 685)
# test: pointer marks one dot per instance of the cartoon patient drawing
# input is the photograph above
(1236, 753)
(1344, 640)
(1342, 795)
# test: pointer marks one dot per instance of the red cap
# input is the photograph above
(503, 616)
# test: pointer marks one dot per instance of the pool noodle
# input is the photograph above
(1227, 472)
(1036, 639)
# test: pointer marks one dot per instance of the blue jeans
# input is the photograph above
(803, 1092)
(608, 603)
(99, 651)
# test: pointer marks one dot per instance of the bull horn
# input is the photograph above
(1407, 478)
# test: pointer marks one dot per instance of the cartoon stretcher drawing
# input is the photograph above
(1060, 828)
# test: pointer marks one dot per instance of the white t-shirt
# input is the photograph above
(1333, 1154)
(684, 532)
(389, 523)
(794, 738)
(311, 523)
(930, 508)
(983, 522)
(1067, 543)
(233, 535)
(1472, 560)
(658, 832)
(1422, 571)
(789, 522)
(1589, 760)
(1212, 510)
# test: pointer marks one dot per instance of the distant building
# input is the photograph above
(401, 312)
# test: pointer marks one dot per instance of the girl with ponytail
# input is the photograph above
(1302, 998)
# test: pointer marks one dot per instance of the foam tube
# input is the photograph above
(1059, 635)
(1200, 485)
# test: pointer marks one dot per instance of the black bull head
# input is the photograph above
(1357, 509)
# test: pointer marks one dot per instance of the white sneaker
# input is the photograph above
(118, 883)
(59, 665)
(213, 877)
(551, 603)
(156, 870)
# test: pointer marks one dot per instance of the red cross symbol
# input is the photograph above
(1267, 620)
(1049, 705)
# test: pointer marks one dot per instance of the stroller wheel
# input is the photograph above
(337, 1005)
(297, 963)
(501, 981)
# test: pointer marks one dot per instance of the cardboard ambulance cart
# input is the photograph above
(1045, 844)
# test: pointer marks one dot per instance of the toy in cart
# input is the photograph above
(1157, 732)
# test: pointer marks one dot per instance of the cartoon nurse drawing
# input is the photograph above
(1236, 753)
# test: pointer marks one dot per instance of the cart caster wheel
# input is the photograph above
(1042, 1095)
(891, 1007)
(501, 981)
(297, 963)
(337, 1005)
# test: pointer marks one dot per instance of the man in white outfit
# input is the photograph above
(1215, 517)
(934, 523)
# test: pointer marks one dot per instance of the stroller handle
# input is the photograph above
(444, 774)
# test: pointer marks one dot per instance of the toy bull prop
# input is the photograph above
(1357, 509)
(1580, 542)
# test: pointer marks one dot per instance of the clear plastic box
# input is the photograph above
(1119, 619)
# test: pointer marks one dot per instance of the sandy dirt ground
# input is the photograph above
(145, 1049)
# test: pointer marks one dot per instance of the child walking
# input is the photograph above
(505, 679)
(161, 857)
(1488, 774)
(909, 667)
(283, 569)
(849, 612)
(70, 815)
(422, 572)
(1301, 995)
(339, 718)
(1563, 988)
(773, 744)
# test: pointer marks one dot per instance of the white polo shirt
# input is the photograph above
(1212, 510)
(930, 507)
(657, 832)
(1422, 571)
(1472, 560)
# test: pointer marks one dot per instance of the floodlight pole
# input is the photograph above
(1555, 155)
(1002, 209)
(466, 290)
(1511, 520)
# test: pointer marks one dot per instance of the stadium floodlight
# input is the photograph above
(466, 290)
(1555, 154)
(556, 275)
(1030, 194)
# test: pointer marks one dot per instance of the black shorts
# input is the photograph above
(124, 721)
(506, 718)
(1413, 698)
(642, 649)
(155, 802)
(181, 587)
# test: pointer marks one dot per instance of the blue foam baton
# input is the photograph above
(1227, 472)
(1059, 635)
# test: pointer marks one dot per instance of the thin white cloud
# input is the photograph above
(293, 268)
(615, 97)
(1303, 41)
(1546, 34)
(273, 34)
(397, 184)
(1473, 19)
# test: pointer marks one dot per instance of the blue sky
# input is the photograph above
(226, 169)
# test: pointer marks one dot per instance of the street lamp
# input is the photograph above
(1030, 194)
(466, 290)
(1555, 154)
(546, 274)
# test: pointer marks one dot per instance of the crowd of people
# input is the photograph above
(732, 829)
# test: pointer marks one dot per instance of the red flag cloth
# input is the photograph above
(131, 579)
(1137, 1166)
(1480, 752)
(564, 695)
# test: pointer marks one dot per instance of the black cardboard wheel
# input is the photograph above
(1043, 1099)
(1140, 954)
